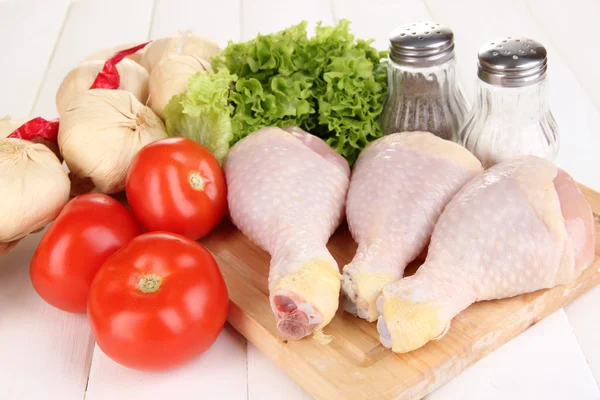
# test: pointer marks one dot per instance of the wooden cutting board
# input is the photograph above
(355, 365)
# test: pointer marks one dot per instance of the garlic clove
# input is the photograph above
(134, 79)
(105, 54)
(100, 132)
(170, 77)
(36, 187)
(186, 44)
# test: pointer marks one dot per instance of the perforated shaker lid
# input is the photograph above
(421, 44)
(512, 62)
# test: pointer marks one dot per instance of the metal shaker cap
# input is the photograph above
(512, 62)
(421, 44)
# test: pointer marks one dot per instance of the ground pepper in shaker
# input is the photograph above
(423, 92)
(510, 115)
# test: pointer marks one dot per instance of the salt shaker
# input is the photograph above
(510, 115)
(423, 92)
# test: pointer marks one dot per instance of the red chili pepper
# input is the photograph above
(37, 127)
(109, 77)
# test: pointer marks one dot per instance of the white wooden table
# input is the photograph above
(48, 354)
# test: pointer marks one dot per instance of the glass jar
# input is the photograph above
(510, 115)
(423, 92)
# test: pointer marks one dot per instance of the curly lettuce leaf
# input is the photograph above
(264, 56)
(203, 112)
(331, 85)
(352, 91)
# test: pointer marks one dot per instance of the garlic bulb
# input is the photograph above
(8, 126)
(100, 132)
(170, 77)
(105, 54)
(186, 44)
(134, 79)
(35, 188)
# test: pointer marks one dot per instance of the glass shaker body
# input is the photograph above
(508, 122)
(423, 93)
(510, 115)
(424, 99)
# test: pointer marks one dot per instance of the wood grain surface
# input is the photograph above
(355, 365)
(47, 354)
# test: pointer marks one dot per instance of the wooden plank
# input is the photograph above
(376, 19)
(39, 342)
(176, 23)
(45, 352)
(586, 324)
(266, 381)
(550, 369)
(27, 40)
(267, 16)
(219, 21)
(92, 25)
(36, 341)
(389, 14)
(572, 29)
(218, 373)
(221, 371)
(577, 118)
(355, 365)
(586, 327)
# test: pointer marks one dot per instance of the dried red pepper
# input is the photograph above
(109, 77)
(37, 128)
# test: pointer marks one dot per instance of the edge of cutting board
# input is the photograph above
(355, 365)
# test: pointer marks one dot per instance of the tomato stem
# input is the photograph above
(197, 181)
(149, 283)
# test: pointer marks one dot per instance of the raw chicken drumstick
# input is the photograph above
(521, 226)
(286, 192)
(399, 187)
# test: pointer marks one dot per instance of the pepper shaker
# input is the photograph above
(510, 115)
(423, 92)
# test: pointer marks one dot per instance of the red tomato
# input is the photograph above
(176, 185)
(158, 302)
(89, 229)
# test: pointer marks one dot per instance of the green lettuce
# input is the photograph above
(203, 112)
(330, 85)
